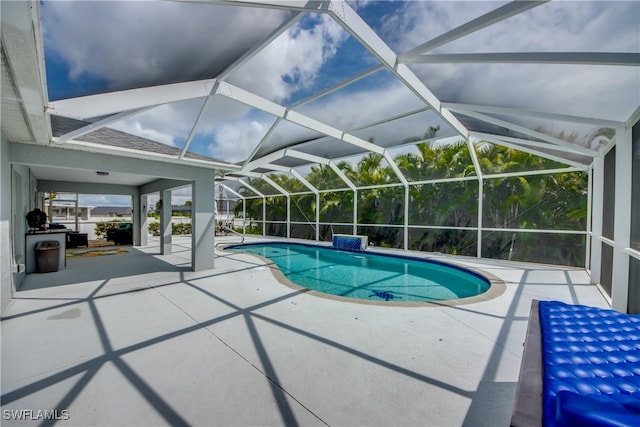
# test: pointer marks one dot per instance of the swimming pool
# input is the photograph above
(368, 276)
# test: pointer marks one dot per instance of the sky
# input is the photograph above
(165, 42)
(178, 197)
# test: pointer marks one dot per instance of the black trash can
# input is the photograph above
(47, 256)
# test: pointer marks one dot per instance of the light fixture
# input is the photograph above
(102, 173)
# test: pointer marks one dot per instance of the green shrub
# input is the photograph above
(102, 227)
(154, 228)
(176, 229)
(184, 228)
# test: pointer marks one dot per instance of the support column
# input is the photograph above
(589, 241)
(478, 169)
(406, 217)
(288, 216)
(622, 212)
(144, 220)
(203, 222)
(317, 216)
(165, 222)
(355, 212)
(480, 217)
(597, 196)
(244, 216)
(136, 216)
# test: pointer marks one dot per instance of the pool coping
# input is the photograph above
(497, 286)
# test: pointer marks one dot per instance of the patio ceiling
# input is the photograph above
(274, 85)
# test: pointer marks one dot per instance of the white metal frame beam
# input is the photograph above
(231, 190)
(97, 125)
(390, 119)
(338, 86)
(515, 144)
(274, 184)
(236, 93)
(579, 58)
(196, 124)
(265, 163)
(301, 5)
(304, 181)
(240, 95)
(272, 128)
(148, 155)
(306, 156)
(358, 28)
(526, 142)
(246, 184)
(634, 118)
(320, 160)
(462, 108)
(342, 176)
(103, 104)
(534, 134)
(508, 10)
(237, 64)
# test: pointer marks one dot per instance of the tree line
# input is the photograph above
(551, 201)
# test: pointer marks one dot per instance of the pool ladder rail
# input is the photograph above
(232, 231)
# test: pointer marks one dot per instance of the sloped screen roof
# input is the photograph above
(283, 84)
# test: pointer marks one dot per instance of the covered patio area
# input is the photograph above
(140, 339)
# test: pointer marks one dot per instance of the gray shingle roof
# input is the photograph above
(109, 210)
(115, 138)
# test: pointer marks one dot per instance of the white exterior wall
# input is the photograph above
(17, 197)
(6, 257)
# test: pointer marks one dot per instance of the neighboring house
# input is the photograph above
(88, 216)
(67, 213)
(110, 211)
(181, 210)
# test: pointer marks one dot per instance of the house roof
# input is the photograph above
(110, 210)
(115, 138)
(181, 208)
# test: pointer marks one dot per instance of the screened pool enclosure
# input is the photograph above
(504, 130)
(436, 202)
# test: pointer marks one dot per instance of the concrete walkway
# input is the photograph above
(137, 339)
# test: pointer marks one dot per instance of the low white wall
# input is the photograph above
(89, 227)
(6, 257)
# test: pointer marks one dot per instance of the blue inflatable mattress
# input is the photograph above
(591, 362)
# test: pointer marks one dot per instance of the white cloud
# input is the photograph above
(138, 43)
(95, 200)
(345, 109)
(236, 141)
(293, 61)
(166, 123)
(415, 22)
(595, 91)
(138, 128)
(296, 56)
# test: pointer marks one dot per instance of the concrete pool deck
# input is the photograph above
(139, 339)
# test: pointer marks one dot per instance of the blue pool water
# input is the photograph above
(368, 276)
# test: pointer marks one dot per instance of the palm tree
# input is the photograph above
(335, 206)
(534, 201)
